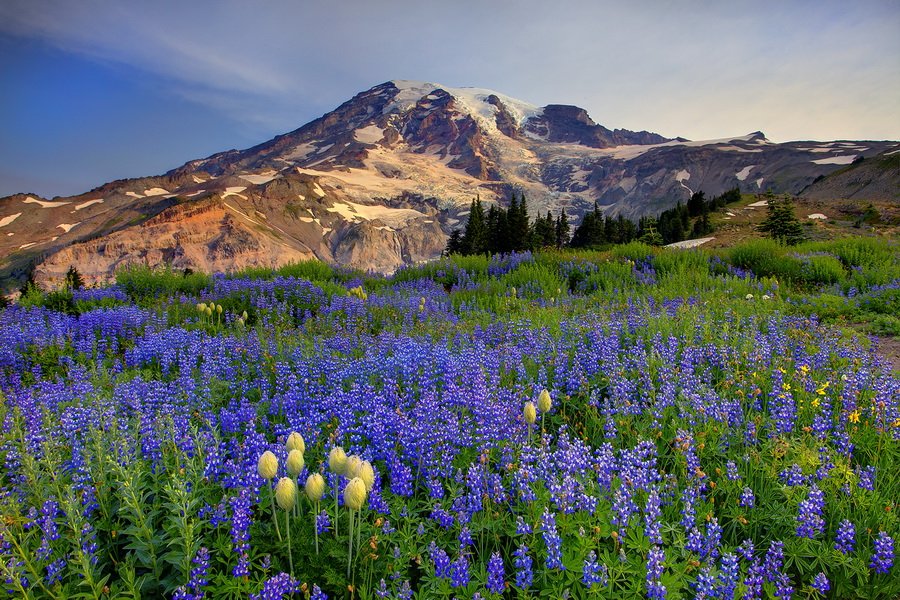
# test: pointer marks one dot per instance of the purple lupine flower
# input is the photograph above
(522, 528)
(317, 594)
(441, 561)
(866, 478)
(382, 591)
(774, 560)
(552, 541)
(883, 557)
(593, 573)
(748, 500)
(705, 585)
(194, 588)
(655, 566)
(524, 575)
(731, 471)
(820, 583)
(465, 537)
(495, 574)
(729, 573)
(323, 522)
(405, 592)
(652, 514)
(783, 587)
(845, 540)
(459, 571)
(277, 587)
(809, 521)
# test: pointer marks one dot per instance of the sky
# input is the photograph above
(97, 90)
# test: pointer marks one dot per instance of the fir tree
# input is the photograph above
(544, 232)
(474, 240)
(73, 279)
(781, 223)
(454, 242)
(562, 229)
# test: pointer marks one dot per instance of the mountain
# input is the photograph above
(380, 181)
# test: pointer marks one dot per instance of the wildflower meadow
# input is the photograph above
(636, 423)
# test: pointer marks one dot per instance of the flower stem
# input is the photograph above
(274, 512)
(287, 525)
(350, 547)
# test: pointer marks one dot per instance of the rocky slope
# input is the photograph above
(380, 181)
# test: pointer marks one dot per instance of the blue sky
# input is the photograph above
(97, 90)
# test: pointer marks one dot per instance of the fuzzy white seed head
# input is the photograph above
(337, 460)
(267, 466)
(355, 494)
(544, 402)
(295, 462)
(315, 487)
(286, 493)
(530, 413)
(295, 441)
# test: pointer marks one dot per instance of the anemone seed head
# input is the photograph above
(267, 465)
(295, 462)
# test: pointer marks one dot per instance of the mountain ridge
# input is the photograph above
(382, 180)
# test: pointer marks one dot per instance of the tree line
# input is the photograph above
(500, 230)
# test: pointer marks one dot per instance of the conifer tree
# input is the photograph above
(781, 223)
(562, 229)
(454, 242)
(73, 279)
(474, 240)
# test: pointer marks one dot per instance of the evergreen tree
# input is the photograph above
(518, 223)
(30, 286)
(73, 279)
(562, 229)
(696, 204)
(649, 234)
(781, 223)
(544, 232)
(474, 240)
(610, 230)
(590, 233)
(454, 242)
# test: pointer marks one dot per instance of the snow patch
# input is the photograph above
(690, 243)
(157, 191)
(758, 204)
(835, 160)
(43, 203)
(742, 174)
(472, 100)
(396, 217)
(198, 179)
(28, 245)
(681, 176)
(133, 195)
(7, 220)
(67, 226)
(369, 135)
(318, 190)
(892, 152)
(260, 178)
(759, 182)
(88, 203)
(234, 191)
(817, 216)
(192, 194)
